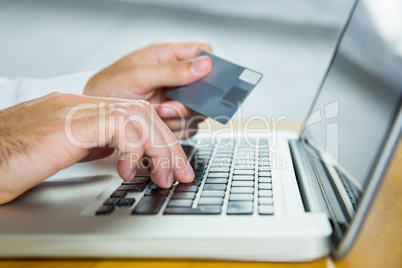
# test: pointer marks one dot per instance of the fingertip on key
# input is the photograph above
(190, 173)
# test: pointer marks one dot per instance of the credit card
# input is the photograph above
(219, 94)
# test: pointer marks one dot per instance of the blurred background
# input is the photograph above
(290, 41)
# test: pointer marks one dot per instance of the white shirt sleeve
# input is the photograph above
(16, 90)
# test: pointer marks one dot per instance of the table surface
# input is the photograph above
(378, 245)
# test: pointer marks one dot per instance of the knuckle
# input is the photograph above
(142, 107)
(64, 98)
(205, 46)
(153, 45)
(160, 44)
(183, 68)
(145, 104)
(119, 112)
(54, 94)
(180, 71)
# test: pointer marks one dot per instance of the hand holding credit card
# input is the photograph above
(221, 92)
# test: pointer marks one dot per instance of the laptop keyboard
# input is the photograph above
(230, 178)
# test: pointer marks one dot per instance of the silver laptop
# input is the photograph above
(258, 195)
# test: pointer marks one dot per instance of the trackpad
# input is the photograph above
(84, 171)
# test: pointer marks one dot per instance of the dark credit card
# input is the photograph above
(221, 92)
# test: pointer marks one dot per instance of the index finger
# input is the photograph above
(186, 51)
(168, 52)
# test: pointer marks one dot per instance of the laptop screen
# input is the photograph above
(361, 94)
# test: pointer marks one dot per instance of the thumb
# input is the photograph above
(177, 73)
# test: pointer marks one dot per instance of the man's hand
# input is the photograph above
(148, 73)
(40, 137)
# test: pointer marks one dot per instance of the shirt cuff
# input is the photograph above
(14, 91)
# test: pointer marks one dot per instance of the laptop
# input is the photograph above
(258, 195)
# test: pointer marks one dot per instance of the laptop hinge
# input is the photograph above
(316, 188)
(311, 193)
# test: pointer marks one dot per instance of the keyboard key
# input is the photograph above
(264, 165)
(111, 201)
(196, 183)
(212, 193)
(198, 178)
(243, 178)
(241, 197)
(183, 195)
(200, 159)
(185, 188)
(214, 187)
(264, 180)
(209, 201)
(240, 208)
(157, 192)
(265, 193)
(219, 169)
(203, 210)
(218, 175)
(239, 167)
(187, 149)
(265, 186)
(132, 188)
(226, 156)
(198, 174)
(246, 150)
(149, 205)
(201, 156)
(154, 186)
(180, 203)
(205, 148)
(242, 184)
(242, 190)
(126, 202)
(120, 194)
(244, 172)
(137, 180)
(217, 163)
(201, 153)
(105, 210)
(199, 167)
(264, 174)
(266, 210)
(265, 201)
(242, 161)
(216, 181)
